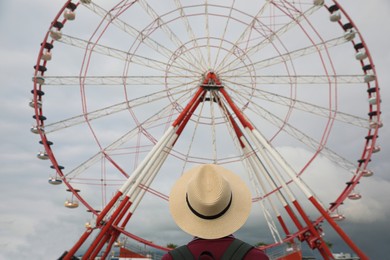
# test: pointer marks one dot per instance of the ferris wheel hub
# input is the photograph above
(211, 81)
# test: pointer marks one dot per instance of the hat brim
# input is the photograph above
(227, 224)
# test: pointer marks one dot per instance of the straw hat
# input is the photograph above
(210, 202)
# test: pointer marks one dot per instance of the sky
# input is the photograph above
(33, 222)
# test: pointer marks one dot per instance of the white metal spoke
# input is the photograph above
(163, 113)
(192, 34)
(258, 65)
(207, 30)
(118, 80)
(106, 111)
(311, 108)
(159, 23)
(223, 36)
(122, 55)
(245, 34)
(268, 38)
(132, 31)
(300, 136)
(117, 143)
(294, 79)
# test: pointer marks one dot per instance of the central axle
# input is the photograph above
(211, 81)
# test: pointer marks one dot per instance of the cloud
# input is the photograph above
(371, 209)
(47, 240)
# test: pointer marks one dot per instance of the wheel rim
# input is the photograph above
(141, 88)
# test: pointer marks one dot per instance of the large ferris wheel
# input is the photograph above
(128, 95)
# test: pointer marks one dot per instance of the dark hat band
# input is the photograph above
(209, 217)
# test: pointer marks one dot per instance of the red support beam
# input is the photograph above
(99, 246)
(336, 227)
(77, 246)
(315, 240)
(108, 207)
(106, 231)
(123, 206)
(284, 226)
(189, 112)
(236, 110)
(187, 108)
(116, 223)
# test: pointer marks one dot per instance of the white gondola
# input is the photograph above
(369, 78)
(349, 35)
(69, 15)
(354, 196)
(37, 129)
(337, 217)
(318, 2)
(367, 173)
(361, 55)
(71, 204)
(43, 155)
(46, 55)
(374, 120)
(32, 104)
(372, 100)
(335, 16)
(39, 80)
(55, 181)
(375, 124)
(375, 149)
(55, 34)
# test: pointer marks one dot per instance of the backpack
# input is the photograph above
(236, 250)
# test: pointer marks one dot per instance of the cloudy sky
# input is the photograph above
(33, 222)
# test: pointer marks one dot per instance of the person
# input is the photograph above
(210, 203)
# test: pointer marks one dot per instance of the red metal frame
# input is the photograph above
(110, 229)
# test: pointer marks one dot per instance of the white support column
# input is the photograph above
(137, 196)
(271, 167)
(148, 163)
(258, 167)
(271, 224)
(287, 168)
(161, 143)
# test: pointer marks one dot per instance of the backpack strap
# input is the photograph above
(236, 250)
(181, 253)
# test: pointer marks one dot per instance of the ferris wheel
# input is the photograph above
(129, 95)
